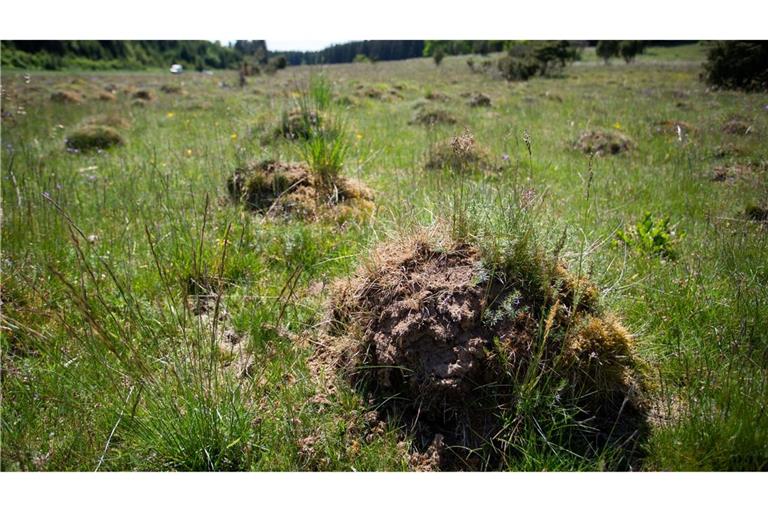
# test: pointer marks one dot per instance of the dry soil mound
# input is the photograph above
(427, 325)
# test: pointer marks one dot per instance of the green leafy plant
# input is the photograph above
(652, 236)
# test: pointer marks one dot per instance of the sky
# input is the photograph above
(300, 44)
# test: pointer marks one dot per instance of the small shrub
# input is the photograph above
(631, 49)
(737, 65)
(438, 56)
(651, 236)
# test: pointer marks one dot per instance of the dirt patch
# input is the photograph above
(285, 189)
(432, 117)
(92, 138)
(70, 97)
(603, 142)
(479, 100)
(737, 126)
(426, 323)
(461, 153)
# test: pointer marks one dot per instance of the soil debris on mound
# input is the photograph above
(431, 117)
(144, 95)
(602, 142)
(737, 126)
(461, 153)
(66, 97)
(93, 137)
(425, 322)
(287, 189)
(479, 100)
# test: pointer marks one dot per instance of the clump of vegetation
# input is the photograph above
(475, 346)
(461, 153)
(66, 97)
(298, 123)
(737, 65)
(651, 236)
(438, 56)
(93, 137)
(432, 117)
(479, 100)
(603, 142)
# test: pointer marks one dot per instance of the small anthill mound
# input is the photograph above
(673, 127)
(424, 321)
(437, 96)
(93, 137)
(757, 213)
(298, 124)
(603, 142)
(171, 89)
(479, 100)
(737, 126)
(66, 97)
(106, 96)
(144, 95)
(431, 117)
(286, 189)
(461, 153)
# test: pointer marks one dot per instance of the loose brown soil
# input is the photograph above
(443, 347)
(285, 189)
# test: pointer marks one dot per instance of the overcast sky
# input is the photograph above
(299, 44)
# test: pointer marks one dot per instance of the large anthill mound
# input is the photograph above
(449, 347)
(461, 153)
(286, 189)
(602, 142)
(93, 137)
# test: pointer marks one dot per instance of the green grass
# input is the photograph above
(104, 366)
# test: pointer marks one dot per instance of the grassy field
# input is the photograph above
(105, 366)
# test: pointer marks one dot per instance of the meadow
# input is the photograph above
(124, 268)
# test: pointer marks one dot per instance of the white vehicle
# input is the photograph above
(176, 69)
